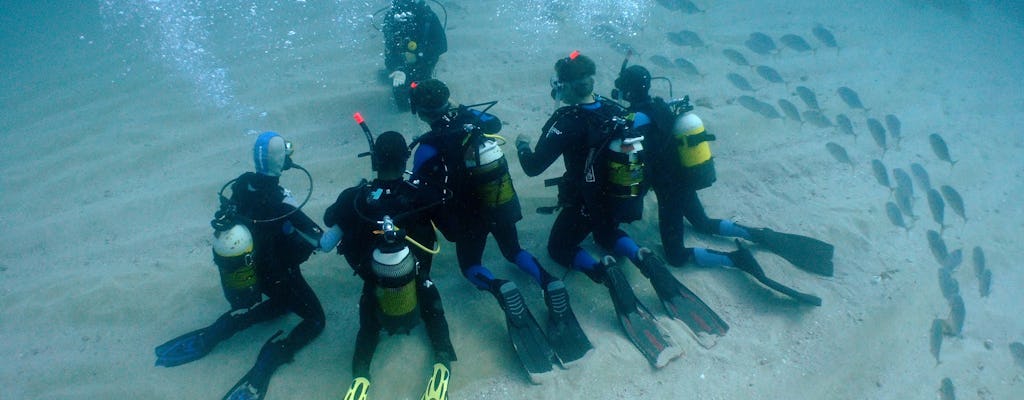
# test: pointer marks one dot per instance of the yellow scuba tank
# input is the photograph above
(488, 172)
(395, 270)
(232, 252)
(694, 151)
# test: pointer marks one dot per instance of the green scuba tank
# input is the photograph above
(395, 270)
(232, 252)
(488, 174)
(624, 168)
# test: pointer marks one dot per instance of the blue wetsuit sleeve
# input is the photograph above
(488, 122)
(424, 153)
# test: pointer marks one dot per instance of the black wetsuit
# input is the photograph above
(278, 249)
(422, 27)
(676, 197)
(356, 212)
(473, 212)
(570, 133)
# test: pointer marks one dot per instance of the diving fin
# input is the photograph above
(565, 335)
(437, 386)
(809, 254)
(253, 386)
(528, 339)
(681, 303)
(360, 386)
(640, 325)
(743, 260)
(183, 349)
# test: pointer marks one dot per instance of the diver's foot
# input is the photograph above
(512, 302)
(598, 272)
(557, 298)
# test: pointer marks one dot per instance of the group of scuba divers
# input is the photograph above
(460, 185)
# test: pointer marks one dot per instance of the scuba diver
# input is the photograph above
(414, 40)
(602, 145)
(679, 163)
(261, 238)
(378, 220)
(462, 154)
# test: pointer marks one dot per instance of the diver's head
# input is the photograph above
(401, 6)
(390, 152)
(271, 154)
(633, 84)
(429, 99)
(574, 82)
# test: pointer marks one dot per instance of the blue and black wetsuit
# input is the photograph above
(484, 199)
(571, 133)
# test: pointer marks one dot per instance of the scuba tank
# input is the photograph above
(692, 146)
(394, 268)
(232, 252)
(487, 170)
(624, 169)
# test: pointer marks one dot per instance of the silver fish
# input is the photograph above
(903, 180)
(824, 36)
(795, 42)
(895, 127)
(937, 246)
(686, 38)
(807, 95)
(687, 66)
(947, 391)
(922, 176)
(790, 110)
(845, 125)
(769, 74)
(957, 313)
(954, 200)
(881, 173)
(838, 152)
(906, 202)
(736, 57)
(739, 82)
(816, 118)
(687, 6)
(760, 43)
(948, 285)
(895, 216)
(661, 61)
(1017, 350)
(935, 338)
(953, 260)
(768, 111)
(938, 208)
(877, 133)
(749, 103)
(850, 97)
(978, 256)
(940, 148)
(985, 283)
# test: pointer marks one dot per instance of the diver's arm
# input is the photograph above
(549, 148)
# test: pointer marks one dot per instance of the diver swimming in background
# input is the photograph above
(462, 154)
(376, 220)
(261, 238)
(679, 163)
(414, 40)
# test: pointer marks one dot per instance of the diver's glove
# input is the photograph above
(397, 78)
(330, 239)
(523, 143)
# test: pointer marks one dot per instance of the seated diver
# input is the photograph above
(374, 221)
(262, 237)
(461, 154)
(414, 40)
(678, 164)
